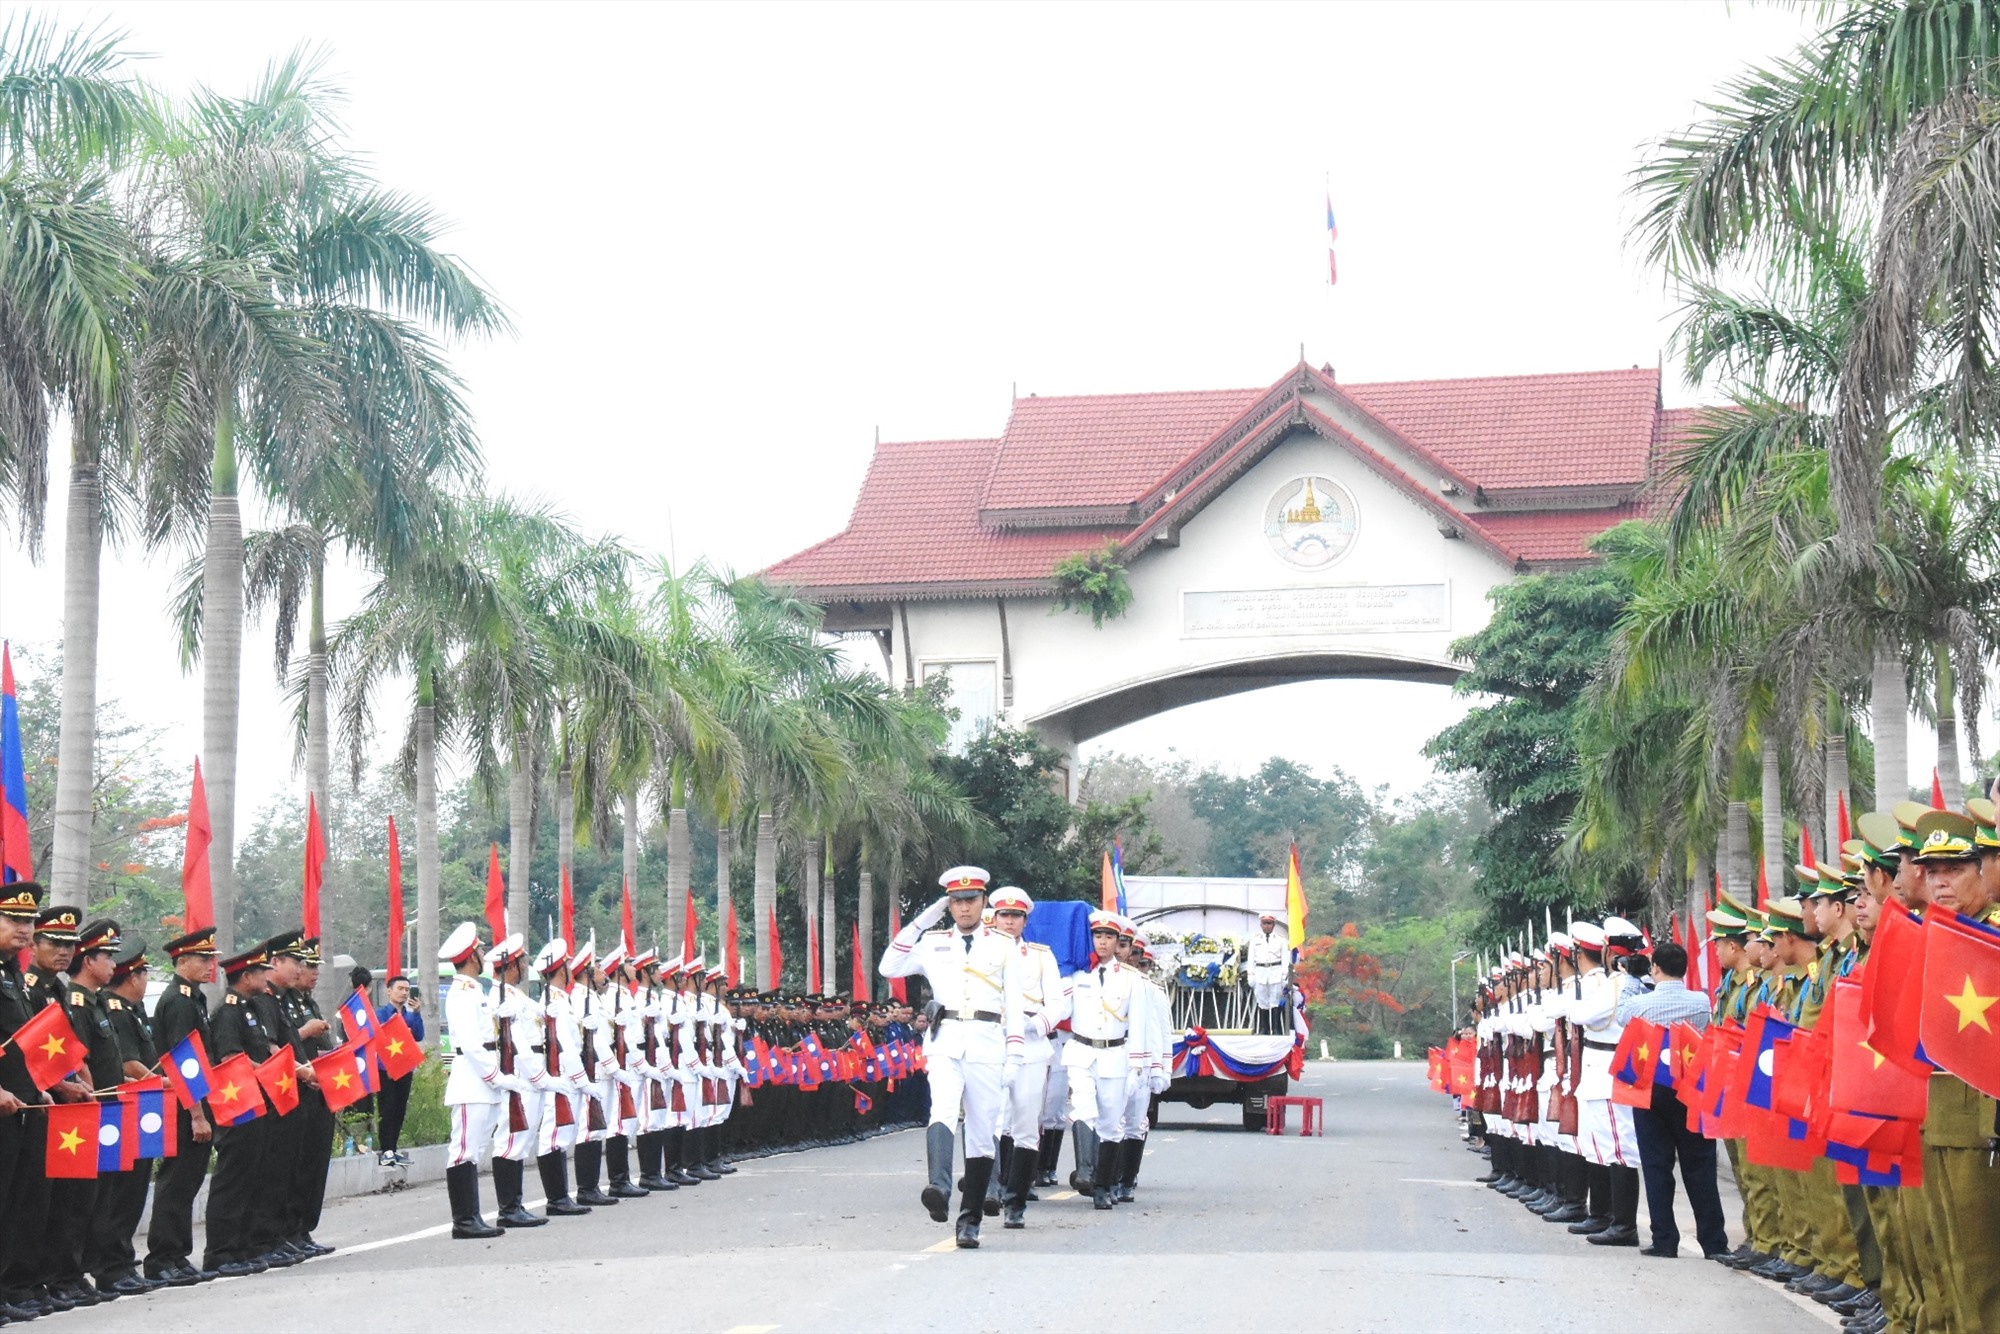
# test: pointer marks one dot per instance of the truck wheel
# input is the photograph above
(1252, 1120)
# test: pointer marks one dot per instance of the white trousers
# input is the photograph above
(1055, 1097)
(656, 1118)
(970, 1089)
(1604, 1133)
(472, 1129)
(553, 1137)
(519, 1144)
(1022, 1120)
(1138, 1101)
(1098, 1101)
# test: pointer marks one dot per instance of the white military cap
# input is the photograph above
(964, 881)
(1011, 897)
(463, 940)
(506, 951)
(1588, 935)
(552, 956)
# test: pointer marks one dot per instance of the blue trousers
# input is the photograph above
(1664, 1138)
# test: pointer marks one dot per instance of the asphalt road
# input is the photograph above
(1376, 1226)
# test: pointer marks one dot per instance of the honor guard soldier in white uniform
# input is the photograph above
(1099, 1023)
(1268, 970)
(727, 1064)
(1044, 1005)
(524, 1072)
(473, 1092)
(976, 978)
(562, 1098)
(1149, 1054)
(683, 1138)
(589, 1000)
(626, 1095)
(1604, 1129)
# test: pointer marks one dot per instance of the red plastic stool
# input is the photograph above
(1311, 1118)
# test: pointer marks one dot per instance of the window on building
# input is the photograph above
(974, 691)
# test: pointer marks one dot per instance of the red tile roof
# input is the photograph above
(1528, 431)
(917, 529)
(1102, 449)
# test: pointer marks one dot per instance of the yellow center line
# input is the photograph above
(942, 1248)
(1063, 1195)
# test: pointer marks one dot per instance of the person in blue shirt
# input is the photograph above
(394, 1100)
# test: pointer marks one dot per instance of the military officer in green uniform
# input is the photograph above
(243, 1153)
(312, 1150)
(23, 1185)
(121, 1196)
(73, 1201)
(182, 1009)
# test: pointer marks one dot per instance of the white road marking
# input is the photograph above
(1434, 1181)
(363, 1248)
(749, 1329)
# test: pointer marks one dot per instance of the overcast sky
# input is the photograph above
(737, 241)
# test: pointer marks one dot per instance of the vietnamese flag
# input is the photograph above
(568, 911)
(49, 1046)
(234, 1092)
(395, 963)
(72, 1146)
(690, 929)
(1685, 1045)
(1893, 999)
(399, 1052)
(1635, 1063)
(732, 959)
(1961, 987)
(315, 868)
(279, 1078)
(340, 1082)
(1864, 1081)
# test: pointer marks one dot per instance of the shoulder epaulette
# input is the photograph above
(231, 999)
(1038, 945)
(113, 1003)
(186, 990)
(78, 997)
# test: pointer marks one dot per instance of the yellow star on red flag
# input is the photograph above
(1972, 1007)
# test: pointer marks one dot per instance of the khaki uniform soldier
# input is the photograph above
(121, 1196)
(182, 1009)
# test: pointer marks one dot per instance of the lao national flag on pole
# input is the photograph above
(1332, 235)
(315, 868)
(17, 853)
(197, 909)
(754, 1057)
(111, 1136)
(187, 1070)
(1761, 1066)
(153, 1126)
(395, 901)
(863, 1104)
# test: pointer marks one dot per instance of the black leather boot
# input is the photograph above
(461, 1186)
(618, 1160)
(554, 1169)
(1084, 1142)
(1624, 1229)
(998, 1175)
(939, 1150)
(694, 1154)
(1106, 1171)
(714, 1161)
(1014, 1197)
(972, 1204)
(680, 1158)
(1046, 1155)
(589, 1172)
(507, 1178)
(1128, 1178)
(1570, 1175)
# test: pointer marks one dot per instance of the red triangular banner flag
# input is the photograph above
(777, 953)
(496, 895)
(198, 909)
(315, 868)
(395, 901)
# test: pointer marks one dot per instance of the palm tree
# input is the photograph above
(69, 267)
(285, 330)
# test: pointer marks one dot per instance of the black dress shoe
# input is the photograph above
(625, 1190)
(281, 1257)
(595, 1198)
(318, 1247)
(1841, 1292)
(937, 1203)
(968, 1234)
(474, 1229)
(1868, 1303)
(17, 1314)
(1746, 1259)
(1570, 1212)
(1615, 1236)
(129, 1286)
(722, 1167)
(76, 1294)
(657, 1182)
(565, 1209)
(1660, 1252)
(1589, 1226)
(519, 1217)
(1486, 1180)
(236, 1269)
(181, 1276)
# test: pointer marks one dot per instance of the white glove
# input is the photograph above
(932, 915)
(1159, 1082)
(1011, 1069)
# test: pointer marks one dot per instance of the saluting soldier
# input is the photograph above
(73, 1201)
(121, 1196)
(474, 1094)
(23, 1206)
(182, 1009)
(976, 977)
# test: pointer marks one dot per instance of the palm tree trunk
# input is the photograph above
(1947, 729)
(680, 870)
(429, 866)
(809, 858)
(864, 918)
(565, 833)
(76, 759)
(520, 839)
(1696, 900)
(631, 868)
(1773, 802)
(319, 783)
(1741, 872)
(829, 930)
(1889, 708)
(725, 857)
(222, 672)
(1836, 782)
(766, 895)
